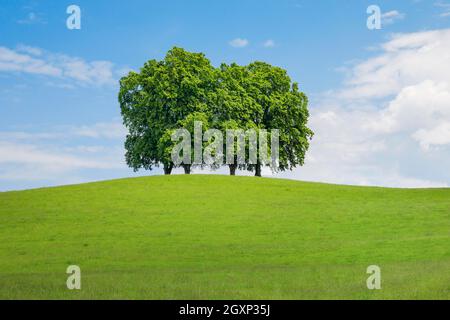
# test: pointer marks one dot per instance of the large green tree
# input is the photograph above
(284, 107)
(154, 100)
(234, 108)
(263, 97)
(184, 87)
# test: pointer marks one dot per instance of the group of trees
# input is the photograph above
(184, 87)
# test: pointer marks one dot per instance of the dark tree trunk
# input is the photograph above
(232, 169)
(168, 169)
(187, 168)
(258, 169)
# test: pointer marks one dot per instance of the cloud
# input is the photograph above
(389, 123)
(26, 59)
(109, 130)
(425, 105)
(436, 136)
(61, 155)
(269, 43)
(30, 50)
(391, 16)
(238, 43)
(406, 59)
(25, 165)
(23, 154)
(95, 72)
(32, 18)
(445, 7)
(11, 60)
(100, 130)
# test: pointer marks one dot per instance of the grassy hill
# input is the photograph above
(220, 237)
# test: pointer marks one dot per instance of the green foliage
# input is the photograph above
(165, 145)
(281, 106)
(165, 94)
(156, 99)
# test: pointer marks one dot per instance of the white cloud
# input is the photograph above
(445, 7)
(30, 136)
(110, 130)
(389, 124)
(407, 59)
(269, 43)
(61, 155)
(13, 61)
(96, 72)
(238, 43)
(29, 165)
(30, 50)
(101, 130)
(32, 60)
(391, 16)
(436, 136)
(20, 154)
(421, 106)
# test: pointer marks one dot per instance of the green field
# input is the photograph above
(220, 237)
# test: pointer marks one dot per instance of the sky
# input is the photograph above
(379, 99)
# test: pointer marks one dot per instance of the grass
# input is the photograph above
(219, 237)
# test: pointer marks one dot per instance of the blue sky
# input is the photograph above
(60, 120)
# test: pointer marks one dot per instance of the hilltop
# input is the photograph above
(221, 237)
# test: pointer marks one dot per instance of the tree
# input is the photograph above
(188, 124)
(164, 147)
(234, 107)
(184, 87)
(140, 116)
(154, 100)
(281, 106)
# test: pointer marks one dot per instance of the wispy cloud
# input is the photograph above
(445, 7)
(11, 60)
(110, 130)
(26, 153)
(31, 60)
(60, 154)
(269, 43)
(391, 16)
(238, 43)
(32, 18)
(101, 130)
(29, 50)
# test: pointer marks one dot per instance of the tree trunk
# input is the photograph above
(187, 168)
(232, 169)
(168, 169)
(258, 169)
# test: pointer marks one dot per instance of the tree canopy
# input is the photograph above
(184, 87)
(154, 100)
